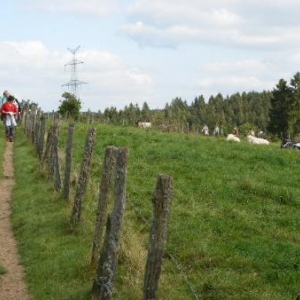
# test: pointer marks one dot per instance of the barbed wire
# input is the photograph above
(172, 258)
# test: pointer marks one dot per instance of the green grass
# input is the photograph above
(2, 271)
(234, 226)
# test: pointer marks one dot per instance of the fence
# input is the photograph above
(114, 174)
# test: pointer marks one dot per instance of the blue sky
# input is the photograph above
(136, 51)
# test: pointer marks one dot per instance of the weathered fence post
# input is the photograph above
(68, 167)
(33, 122)
(53, 163)
(50, 160)
(104, 282)
(46, 154)
(108, 169)
(158, 236)
(36, 131)
(56, 123)
(41, 137)
(57, 177)
(83, 176)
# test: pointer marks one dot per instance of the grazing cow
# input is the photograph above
(144, 124)
(288, 143)
(232, 137)
(255, 140)
(216, 130)
(205, 130)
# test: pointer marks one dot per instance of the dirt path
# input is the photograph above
(12, 286)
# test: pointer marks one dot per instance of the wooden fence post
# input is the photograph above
(53, 164)
(68, 167)
(50, 161)
(56, 165)
(41, 137)
(104, 282)
(158, 236)
(46, 154)
(108, 169)
(83, 176)
(36, 132)
(33, 122)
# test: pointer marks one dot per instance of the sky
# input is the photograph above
(136, 51)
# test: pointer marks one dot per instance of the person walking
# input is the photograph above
(4, 97)
(9, 110)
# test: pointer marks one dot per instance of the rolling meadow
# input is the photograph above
(234, 230)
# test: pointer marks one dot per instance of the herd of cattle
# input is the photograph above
(251, 138)
(286, 143)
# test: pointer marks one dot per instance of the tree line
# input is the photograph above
(276, 112)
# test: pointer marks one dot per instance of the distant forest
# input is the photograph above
(276, 112)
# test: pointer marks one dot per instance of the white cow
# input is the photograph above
(205, 130)
(216, 130)
(255, 140)
(144, 124)
(232, 137)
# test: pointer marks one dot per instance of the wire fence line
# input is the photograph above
(138, 212)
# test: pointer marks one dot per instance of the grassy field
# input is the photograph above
(234, 227)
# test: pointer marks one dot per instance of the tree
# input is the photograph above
(279, 111)
(111, 115)
(70, 107)
(294, 109)
(145, 113)
(132, 114)
(179, 113)
(198, 113)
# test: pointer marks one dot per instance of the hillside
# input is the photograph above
(233, 233)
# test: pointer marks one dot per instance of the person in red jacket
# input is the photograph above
(9, 110)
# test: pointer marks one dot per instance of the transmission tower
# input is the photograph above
(74, 83)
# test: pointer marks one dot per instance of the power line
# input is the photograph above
(74, 83)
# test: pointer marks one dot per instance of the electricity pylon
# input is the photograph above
(74, 82)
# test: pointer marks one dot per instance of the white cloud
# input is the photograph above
(110, 70)
(246, 66)
(93, 7)
(148, 35)
(231, 23)
(224, 17)
(138, 78)
(250, 82)
(100, 60)
(193, 12)
(229, 77)
(39, 73)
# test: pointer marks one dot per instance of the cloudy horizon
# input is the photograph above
(136, 51)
